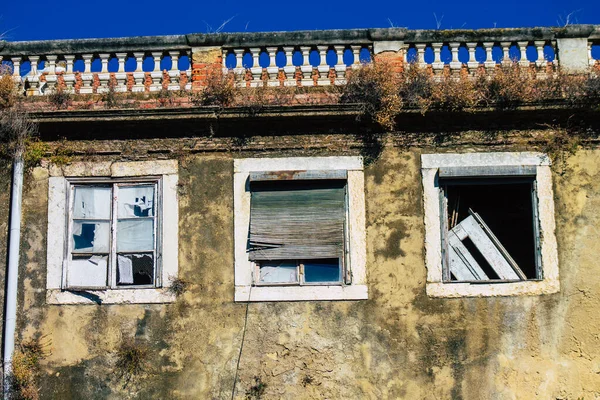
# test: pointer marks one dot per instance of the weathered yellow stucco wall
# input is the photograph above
(397, 344)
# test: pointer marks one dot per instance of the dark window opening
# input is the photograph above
(327, 270)
(491, 229)
(135, 269)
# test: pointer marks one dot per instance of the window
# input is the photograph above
(489, 224)
(299, 229)
(112, 237)
(112, 233)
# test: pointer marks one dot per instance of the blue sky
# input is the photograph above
(34, 20)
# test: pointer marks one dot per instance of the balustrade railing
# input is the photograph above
(61, 71)
(311, 58)
(319, 65)
(487, 54)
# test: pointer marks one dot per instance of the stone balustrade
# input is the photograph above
(305, 58)
(318, 65)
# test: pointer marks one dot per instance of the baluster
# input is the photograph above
(156, 55)
(50, 73)
(69, 59)
(524, 62)
(34, 60)
(34, 79)
(138, 74)
(340, 66)
(68, 76)
(87, 76)
(16, 67)
(437, 56)
(323, 68)
(174, 73)
(555, 61)
(455, 63)
(421, 54)
(539, 46)
(289, 70)
(472, 64)
(239, 70)
(489, 57)
(256, 68)
(16, 70)
(505, 52)
(156, 73)
(356, 54)
(306, 68)
(272, 69)
(121, 75)
(103, 76)
(591, 60)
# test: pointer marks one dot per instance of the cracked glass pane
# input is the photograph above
(136, 201)
(91, 236)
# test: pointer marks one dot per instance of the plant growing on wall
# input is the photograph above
(132, 360)
(8, 91)
(26, 368)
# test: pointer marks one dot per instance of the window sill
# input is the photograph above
(455, 290)
(112, 296)
(300, 293)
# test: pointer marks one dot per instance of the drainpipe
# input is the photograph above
(10, 311)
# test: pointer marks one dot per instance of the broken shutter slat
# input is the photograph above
(483, 171)
(488, 249)
(297, 224)
(498, 246)
(462, 264)
(262, 176)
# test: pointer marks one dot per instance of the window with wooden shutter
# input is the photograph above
(298, 227)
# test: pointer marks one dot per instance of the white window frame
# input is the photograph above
(162, 172)
(246, 288)
(436, 287)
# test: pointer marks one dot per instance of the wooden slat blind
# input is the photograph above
(298, 223)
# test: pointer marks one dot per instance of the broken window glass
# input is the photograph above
(135, 269)
(91, 236)
(136, 201)
(97, 232)
(490, 229)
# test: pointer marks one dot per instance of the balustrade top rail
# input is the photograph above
(301, 58)
(246, 39)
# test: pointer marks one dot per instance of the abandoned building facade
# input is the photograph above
(283, 244)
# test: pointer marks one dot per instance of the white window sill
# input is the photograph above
(300, 293)
(438, 289)
(110, 296)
